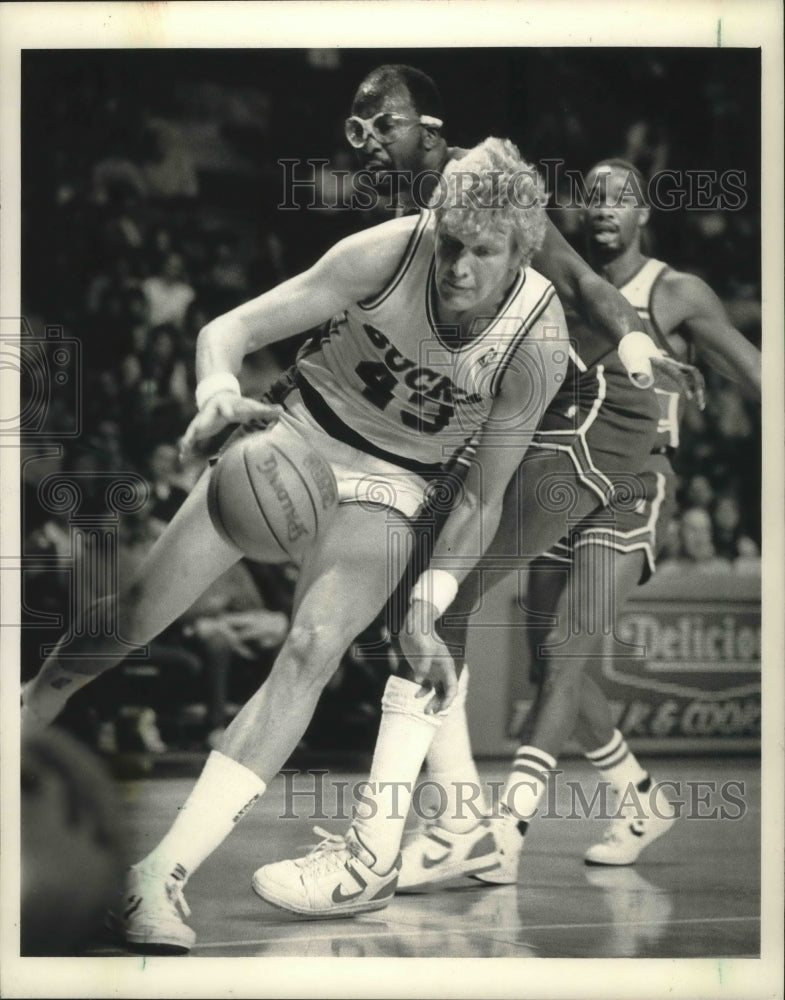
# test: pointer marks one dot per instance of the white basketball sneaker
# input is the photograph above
(490, 852)
(335, 879)
(629, 834)
(151, 918)
(509, 844)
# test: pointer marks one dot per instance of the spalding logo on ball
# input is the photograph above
(271, 504)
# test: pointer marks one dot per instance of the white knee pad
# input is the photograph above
(400, 698)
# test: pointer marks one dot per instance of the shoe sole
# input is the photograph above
(144, 945)
(511, 880)
(502, 877)
(608, 864)
(334, 914)
(454, 871)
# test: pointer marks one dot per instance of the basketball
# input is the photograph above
(268, 502)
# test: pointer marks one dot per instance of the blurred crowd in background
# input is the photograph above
(150, 182)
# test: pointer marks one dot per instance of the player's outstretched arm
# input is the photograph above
(597, 302)
(351, 271)
(687, 302)
(531, 381)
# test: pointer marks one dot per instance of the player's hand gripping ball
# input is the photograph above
(271, 503)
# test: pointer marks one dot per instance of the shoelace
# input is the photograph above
(326, 855)
(174, 891)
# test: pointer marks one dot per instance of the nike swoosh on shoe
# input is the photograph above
(339, 896)
(431, 862)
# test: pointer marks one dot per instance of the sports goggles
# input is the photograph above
(385, 127)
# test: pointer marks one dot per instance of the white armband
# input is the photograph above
(636, 350)
(213, 384)
(436, 586)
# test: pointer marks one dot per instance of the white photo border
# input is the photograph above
(440, 23)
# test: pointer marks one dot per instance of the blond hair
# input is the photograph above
(493, 187)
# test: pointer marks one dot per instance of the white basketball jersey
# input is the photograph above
(396, 377)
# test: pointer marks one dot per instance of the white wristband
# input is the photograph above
(436, 586)
(213, 384)
(636, 350)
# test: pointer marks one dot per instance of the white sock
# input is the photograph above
(405, 733)
(222, 795)
(451, 767)
(526, 784)
(617, 764)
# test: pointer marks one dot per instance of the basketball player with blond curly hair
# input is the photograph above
(437, 332)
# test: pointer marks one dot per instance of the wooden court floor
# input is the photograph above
(694, 893)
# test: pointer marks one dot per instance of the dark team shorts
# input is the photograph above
(605, 425)
(636, 523)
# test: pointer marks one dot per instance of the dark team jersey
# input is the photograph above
(592, 351)
(639, 291)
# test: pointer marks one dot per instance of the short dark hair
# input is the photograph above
(421, 88)
(617, 163)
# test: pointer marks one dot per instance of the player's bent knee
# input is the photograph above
(312, 652)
